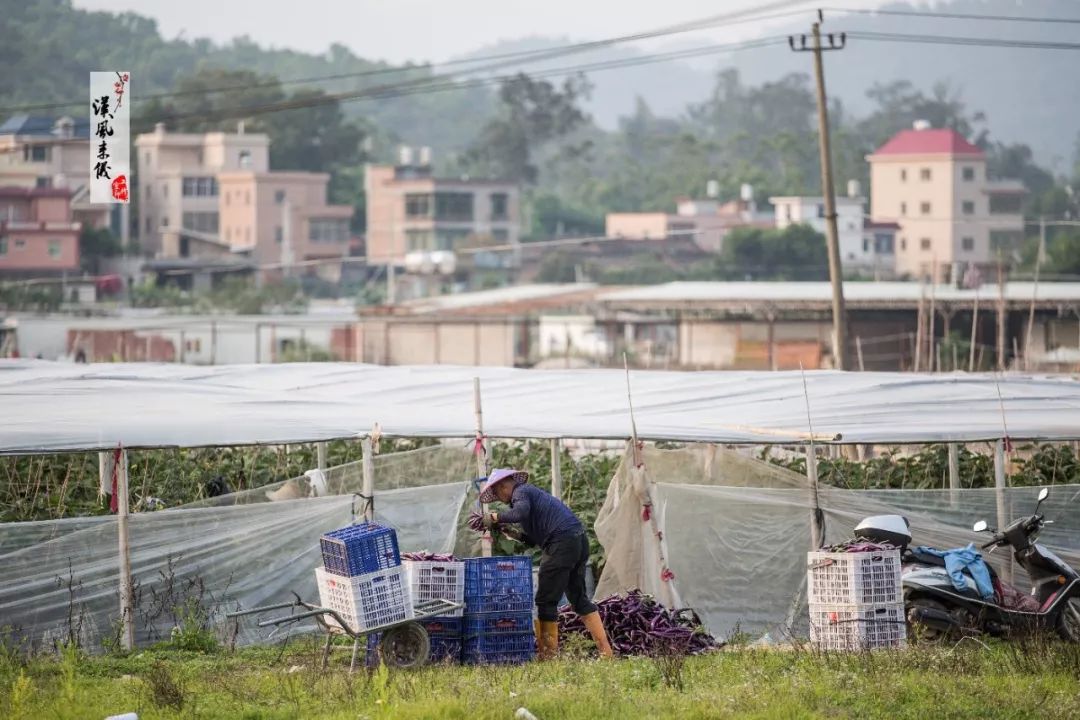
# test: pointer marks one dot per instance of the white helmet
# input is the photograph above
(892, 529)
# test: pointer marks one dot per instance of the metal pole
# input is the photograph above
(954, 475)
(556, 470)
(369, 479)
(999, 496)
(828, 190)
(481, 458)
(974, 331)
(127, 611)
(1034, 292)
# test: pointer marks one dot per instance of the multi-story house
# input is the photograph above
(934, 183)
(850, 212)
(38, 151)
(37, 234)
(409, 210)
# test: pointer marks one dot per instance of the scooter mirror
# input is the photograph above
(1043, 494)
(980, 526)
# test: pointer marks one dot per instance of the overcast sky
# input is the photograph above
(428, 30)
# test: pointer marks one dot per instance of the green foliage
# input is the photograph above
(30, 298)
(554, 217)
(795, 253)
(96, 244)
(304, 351)
(238, 295)
(557, 267)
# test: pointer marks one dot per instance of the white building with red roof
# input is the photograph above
(933, 183)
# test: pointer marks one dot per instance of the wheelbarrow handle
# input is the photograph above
(305, 615)
(265, 608)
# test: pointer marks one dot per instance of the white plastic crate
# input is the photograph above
(366, 601)
(864, 577)
(849, 627)
(436, 581)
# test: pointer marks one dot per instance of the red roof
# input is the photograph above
(15, 191)
(928, 142)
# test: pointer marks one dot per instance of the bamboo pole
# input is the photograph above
(1001, 500)
(974, 331)
(368, 467)
(954, 475)
(481, 459)
(127, 610)
(556, 470)
(858, 351)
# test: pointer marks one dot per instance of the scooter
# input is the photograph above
(936, 609)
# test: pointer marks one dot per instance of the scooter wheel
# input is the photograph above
(921, 632)
(1069, 621)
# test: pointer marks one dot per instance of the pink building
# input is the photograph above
(706, 222)
(37, 234)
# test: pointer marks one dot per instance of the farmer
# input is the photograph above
(552, 526)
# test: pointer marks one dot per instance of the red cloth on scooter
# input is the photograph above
(1012, 599)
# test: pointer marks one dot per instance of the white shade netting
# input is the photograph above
(736, 552)
(59, 579)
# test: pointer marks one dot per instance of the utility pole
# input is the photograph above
(827, 187)
(1034, 291)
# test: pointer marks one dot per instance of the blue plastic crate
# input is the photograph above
(498, 623)
(443, 626)
(499, 649)
(360, 549)
(498, 584)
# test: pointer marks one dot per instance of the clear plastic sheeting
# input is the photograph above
(63, 408)
(60, 579)
(737, 554)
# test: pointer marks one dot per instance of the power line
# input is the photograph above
(531, 56)
(962, 41)
(954, 15)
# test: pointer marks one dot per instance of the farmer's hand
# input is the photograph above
(490, 521)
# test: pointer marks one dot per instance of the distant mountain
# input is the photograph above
(1028, 95)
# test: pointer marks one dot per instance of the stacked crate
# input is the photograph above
(445, 634)
(856, 600)
(362, 578)
(498, 627)
(440, 580)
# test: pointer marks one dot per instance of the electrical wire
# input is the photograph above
(514, 58)
(952, 15)
(961, 41)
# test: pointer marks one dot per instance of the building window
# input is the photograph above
(328, 230)
(43, 182)
(866, 245)
(417, 205)
(883, 244)
(454, 206)
(903, 174)
(3, 246)
(969, 174)
(925, 243)
(165, 221)
(200, 187)
(451, 239)
(279, 197)
(820, 210)
(968, 244)
(245, 159)
(925, 208)
(418, 240)
(903, 243)
(903, 208)
(35, 153)
(968, 207)
(499, 206)
(204, 222)
(500, 236)
(924, 174)
(279, 235)
(20, 244)
(1006, 204)
(54, 249)
(787, 212)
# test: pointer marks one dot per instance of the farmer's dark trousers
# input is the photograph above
(562, 570)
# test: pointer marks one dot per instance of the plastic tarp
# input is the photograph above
(54, 407)
(734, 532)
(60, 578)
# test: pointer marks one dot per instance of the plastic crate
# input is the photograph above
(360, 549)
(499, 649)
(498, 584)
(844, 578)
(366, 601)
(498, 623)
(436, 581)
(443, 626)
(847, 627)
(444, 649)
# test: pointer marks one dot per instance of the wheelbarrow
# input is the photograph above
(404, 643)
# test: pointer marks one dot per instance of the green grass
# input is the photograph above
(968, 681)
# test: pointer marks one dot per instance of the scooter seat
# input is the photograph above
(925, 558)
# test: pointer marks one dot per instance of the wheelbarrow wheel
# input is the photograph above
(405, 646)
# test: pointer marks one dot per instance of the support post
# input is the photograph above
(919, 326)
(771, 340)
(1034, 292)
(931, 341)
(320, 454)
(213, 342)
(974, 331)
(954, 475)
(1001, 500)
(183, 347)
(556, 470)
(481, 458)
(1001, 319)
(369, 478)
(127, 611)
(258, 343)
(858, 350)
(816, 534)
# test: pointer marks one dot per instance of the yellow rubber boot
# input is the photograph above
(595, 626)
(548, 640)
